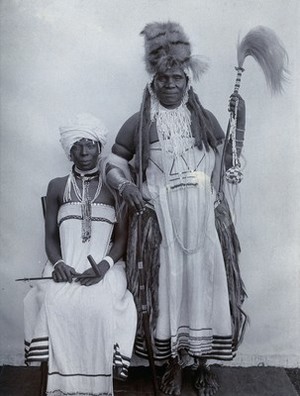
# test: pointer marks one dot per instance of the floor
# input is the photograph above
(234, 381)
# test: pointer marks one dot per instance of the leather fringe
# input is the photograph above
(151, 240)
(231, 248)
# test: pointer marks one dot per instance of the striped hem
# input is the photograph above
(121, 364)
(37, 350)
(214, 347)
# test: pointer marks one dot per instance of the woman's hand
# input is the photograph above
(103, 267)
(236, 99)
(133, 197)
(63, 273)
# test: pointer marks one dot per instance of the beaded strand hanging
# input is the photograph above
(85, 200)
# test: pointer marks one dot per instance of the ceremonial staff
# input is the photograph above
(264, 46)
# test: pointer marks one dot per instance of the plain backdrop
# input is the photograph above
(62, 57)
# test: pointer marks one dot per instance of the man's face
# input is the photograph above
(84, 154)
(170, 87)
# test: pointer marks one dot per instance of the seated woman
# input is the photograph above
(84, 327)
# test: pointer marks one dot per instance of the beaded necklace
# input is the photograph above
(83, 197)
(176, 140)
(174, 125)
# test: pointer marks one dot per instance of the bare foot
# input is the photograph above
(172, 379)
(206, 381)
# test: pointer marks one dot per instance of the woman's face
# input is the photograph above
(85, 154)
(170, 87)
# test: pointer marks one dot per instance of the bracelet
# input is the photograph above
(57, 262)
(109, 260)
(122, 186)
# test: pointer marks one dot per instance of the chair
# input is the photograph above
(44, 377)
(44, 365)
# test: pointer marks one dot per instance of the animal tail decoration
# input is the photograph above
(265, 47)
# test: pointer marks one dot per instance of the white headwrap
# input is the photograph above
(84, 126)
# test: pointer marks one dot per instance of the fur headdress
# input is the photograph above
(167, 46)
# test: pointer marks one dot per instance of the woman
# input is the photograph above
(176, 145)
(83, 327)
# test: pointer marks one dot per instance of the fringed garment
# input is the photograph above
(193, 311)
(82, 331)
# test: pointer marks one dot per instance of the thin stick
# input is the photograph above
(94, 265)
(79, 276)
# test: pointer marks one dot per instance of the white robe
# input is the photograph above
(82, 331)
(194, 312)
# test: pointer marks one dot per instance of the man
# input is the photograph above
(83, 327)
(177, 144)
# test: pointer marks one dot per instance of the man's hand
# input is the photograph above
(103, 267)
(63, 273)
(133, 197)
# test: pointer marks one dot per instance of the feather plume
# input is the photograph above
(264, 46)
(198, 66)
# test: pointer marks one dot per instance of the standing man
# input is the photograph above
(84, 328)
(177, 144)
